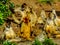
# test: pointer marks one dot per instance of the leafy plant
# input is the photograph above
(8, 43)
(4, 1)
(1, 41)
(37, 42)
(46, 1)
(48, 42)
(12, 5)
(5, 10)
(45, 42)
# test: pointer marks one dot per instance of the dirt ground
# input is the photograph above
(35, 4)
(37, 7)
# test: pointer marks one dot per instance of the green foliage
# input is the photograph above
(37, 42)
(4, 1)
(45, 1)
(48, 42)
(8, 43)
(1, 21)
(5, 10)
(12, 5)
(1, 41)
(45, 42)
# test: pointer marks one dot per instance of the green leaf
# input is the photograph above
(37, 42)
(1, 21)
(45, 42)
(12, 5)
(48, 42)
(45, 1)
(8, 43)
(5, 10)
(4, 1)
(1, 15)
